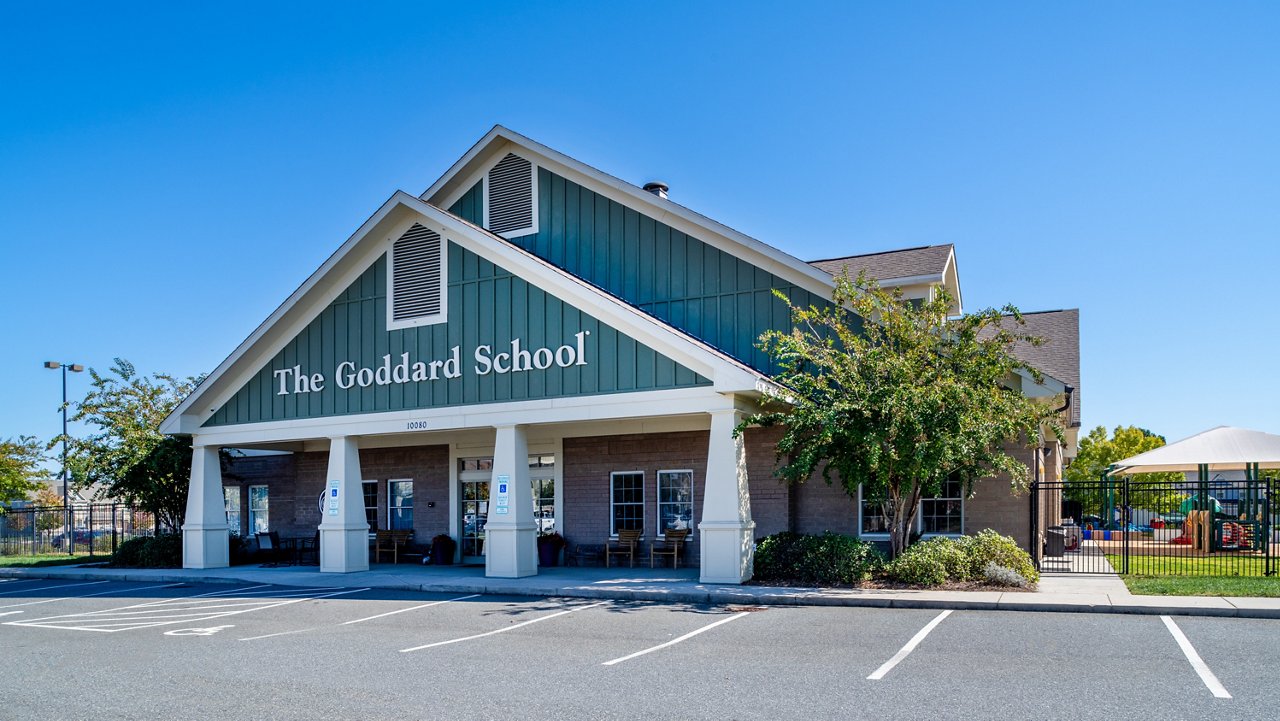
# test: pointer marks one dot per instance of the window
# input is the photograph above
(258, 521)
(231, 502)
(370, 489)
(626, 501)
(874, 515)
(400, 505)
(944, 513)
(544, 504)
(544, 491)
(675, 501)
(417, 279)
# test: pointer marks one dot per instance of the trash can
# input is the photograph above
(1055, 541)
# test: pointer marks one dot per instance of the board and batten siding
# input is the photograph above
(712, 295)
(487, 305)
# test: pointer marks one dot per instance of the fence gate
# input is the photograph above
(85, 528)
(1181, 528)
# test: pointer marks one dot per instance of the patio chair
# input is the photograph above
(270, 548)
(669, 546)
(390, 542)
(624, 545)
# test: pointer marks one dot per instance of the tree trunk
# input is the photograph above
(902, 514)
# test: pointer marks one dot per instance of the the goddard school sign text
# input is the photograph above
(348, 375)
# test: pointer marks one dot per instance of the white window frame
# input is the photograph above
(364, 503)
(693, 497)
(253, 527)
(391, 508)
(919, 522)
(920, 513)
(436, 319)
(229, 493)
(644, 525)
(533, 185)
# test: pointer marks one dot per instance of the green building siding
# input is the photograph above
(711, 295)
(486, 305)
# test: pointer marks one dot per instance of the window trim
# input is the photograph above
(267, 510)
(533, 190)
(919, 522)
(364, 504)
(234, 491)
(644, 500)
(391, 508)
(436, 318)
(693, 500)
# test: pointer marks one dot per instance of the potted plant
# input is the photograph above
(442, 549)
(549, 547)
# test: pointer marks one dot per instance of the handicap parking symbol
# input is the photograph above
(197, 631)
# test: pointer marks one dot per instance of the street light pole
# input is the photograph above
(66, 486)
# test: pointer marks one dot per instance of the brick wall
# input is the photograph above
(771, 499)
(995, 506)
(589, 460)
(295, 482)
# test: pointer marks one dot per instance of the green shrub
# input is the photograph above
(931, 563)
(826, 560)
(942, 559)
(991, 547)
(129, 553)
(163, 551)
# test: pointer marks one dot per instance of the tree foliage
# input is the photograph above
(902, 403)
(128, 455)
(1098, 452)
(20, 470)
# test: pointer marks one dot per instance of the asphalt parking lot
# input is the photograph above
(121, 650)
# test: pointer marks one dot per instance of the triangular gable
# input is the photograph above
(463, 175)
(504, 340)
(355, 258)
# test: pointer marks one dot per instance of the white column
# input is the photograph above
(204, 535)
(511, 548)
(728, 545)
(344, 531)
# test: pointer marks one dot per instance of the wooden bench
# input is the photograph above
(390, 542)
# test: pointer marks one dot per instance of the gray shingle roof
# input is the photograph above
(1059, 356)
(905, 263)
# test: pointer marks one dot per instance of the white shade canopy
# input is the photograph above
(1223, 449)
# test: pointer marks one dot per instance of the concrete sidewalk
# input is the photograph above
(1077, 593)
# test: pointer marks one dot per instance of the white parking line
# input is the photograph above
(911, 646)
(10, 613)
(674, 641)
(500, 630)
(125, 618)
(1210, 681)
(411, 608)
(49, 588)
(89, 595)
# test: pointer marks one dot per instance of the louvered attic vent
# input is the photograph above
(510, 196)
(417, 278)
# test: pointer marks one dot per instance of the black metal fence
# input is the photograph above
(1191, 528)
(94, 528)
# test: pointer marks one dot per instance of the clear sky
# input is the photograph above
(169, 175)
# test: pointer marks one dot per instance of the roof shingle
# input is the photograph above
(929, 260)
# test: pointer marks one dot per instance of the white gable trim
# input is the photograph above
(452, 185)
(373, 239)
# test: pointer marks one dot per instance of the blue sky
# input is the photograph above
(169, 175)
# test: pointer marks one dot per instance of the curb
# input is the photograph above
(728, 595)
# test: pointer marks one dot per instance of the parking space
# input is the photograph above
(351, 651)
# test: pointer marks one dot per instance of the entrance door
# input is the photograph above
(473, 476)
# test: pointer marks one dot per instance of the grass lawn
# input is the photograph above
(1197, 576)
(49, 559)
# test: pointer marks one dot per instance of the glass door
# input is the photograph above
(473, 476)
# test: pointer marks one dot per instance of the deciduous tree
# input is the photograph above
(20, 470)
(902, 402)
(128, 455)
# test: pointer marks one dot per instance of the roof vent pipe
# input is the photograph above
(658, 188)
